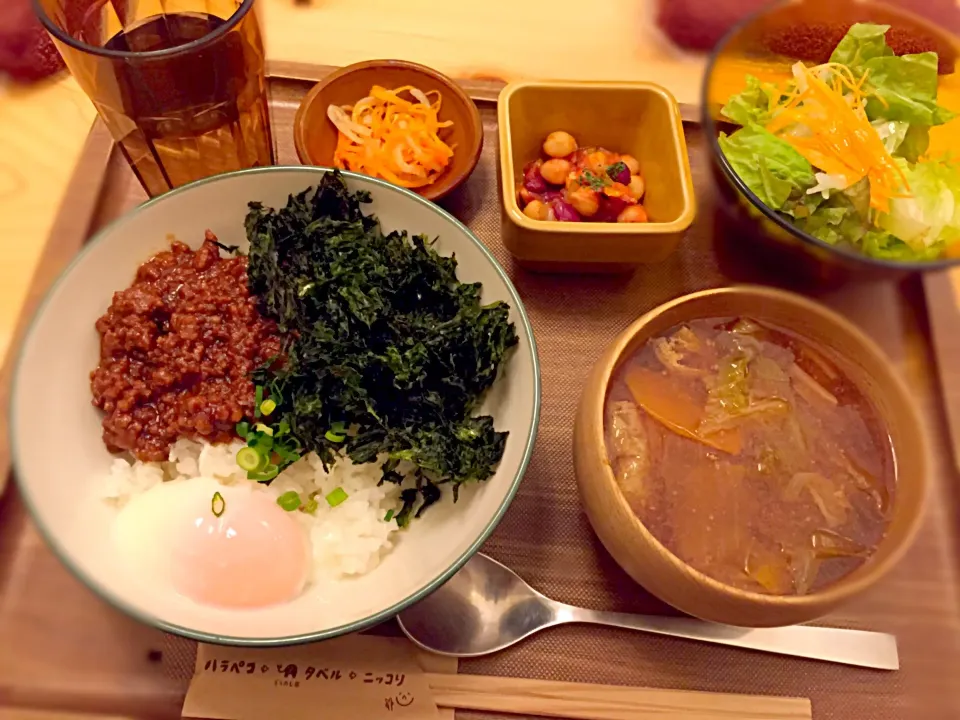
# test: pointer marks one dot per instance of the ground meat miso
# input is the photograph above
(176, 352)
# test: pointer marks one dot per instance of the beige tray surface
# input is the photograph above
(62, 647)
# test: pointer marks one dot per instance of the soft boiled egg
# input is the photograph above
(235, 549)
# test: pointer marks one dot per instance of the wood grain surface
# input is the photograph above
(61, 647)
(943, 300)
(69, 229)
(42, 134)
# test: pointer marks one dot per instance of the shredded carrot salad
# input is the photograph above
(387, 136)
(841, 140)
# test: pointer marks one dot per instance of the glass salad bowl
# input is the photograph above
(847, 166)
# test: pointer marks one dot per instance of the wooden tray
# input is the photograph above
(61, 647)
(943, 299)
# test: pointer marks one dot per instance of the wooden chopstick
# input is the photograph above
(583, 701)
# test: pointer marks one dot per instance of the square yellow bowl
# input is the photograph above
(636, 118)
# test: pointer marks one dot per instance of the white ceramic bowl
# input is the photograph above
(59, 457)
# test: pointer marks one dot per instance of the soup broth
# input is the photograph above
(750, 455)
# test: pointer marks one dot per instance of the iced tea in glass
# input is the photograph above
(181, 84)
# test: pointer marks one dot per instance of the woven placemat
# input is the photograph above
(546, 537)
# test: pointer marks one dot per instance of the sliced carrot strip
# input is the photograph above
(841, 140)
(666, 402)
(388, 136)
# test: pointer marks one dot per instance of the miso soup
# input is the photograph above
(750, 455)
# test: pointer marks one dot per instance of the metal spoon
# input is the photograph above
(486, 607)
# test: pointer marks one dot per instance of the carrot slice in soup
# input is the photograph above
(667, 403)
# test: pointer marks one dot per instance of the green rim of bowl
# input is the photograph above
(61, 553)
(710, 127)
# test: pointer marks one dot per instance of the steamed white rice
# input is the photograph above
(349, 539)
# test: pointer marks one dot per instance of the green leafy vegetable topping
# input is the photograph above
(387, 355)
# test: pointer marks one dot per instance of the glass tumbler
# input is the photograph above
(181, 84)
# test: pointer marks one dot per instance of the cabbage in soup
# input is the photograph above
(750, 455)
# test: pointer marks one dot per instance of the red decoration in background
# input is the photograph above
(699, 24)
(26, 51)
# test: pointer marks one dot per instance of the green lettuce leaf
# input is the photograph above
(902, 139)
(905, 89)
(883, 245)
(929, 218)
(863, 41)
(753, 104)
(858, 195)
(802, 206)
(891, 132)
(824, 224)
(835, 221)
(915, 143)
(906, 86)
(769, 166)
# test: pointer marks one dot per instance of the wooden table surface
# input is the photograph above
(42, 128)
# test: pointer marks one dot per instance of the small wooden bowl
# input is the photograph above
(315, 136)
(660, 571)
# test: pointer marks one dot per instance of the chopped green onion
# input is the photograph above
(289, 501)
(261, 441)
(337, 432)
(389, 516)
(336, 497)
(268, 473)
(218, 505)
(265, 429)
(249, 459)
(286, 454)
(243, 429)
(257, 399)
(267, 406)
(311, 506)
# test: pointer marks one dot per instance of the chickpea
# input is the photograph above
(584, 201)
(555, 171)
(636, 187)
(632, 214)
(536, 210)
(633, 165)
(559, 144)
